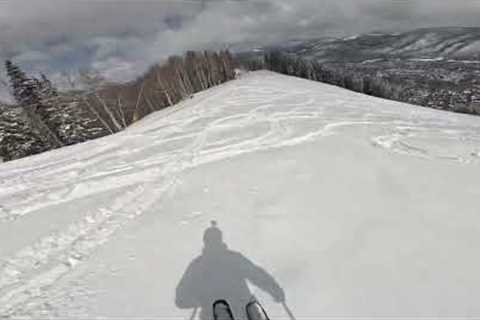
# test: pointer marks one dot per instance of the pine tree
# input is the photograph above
(33, 94)
(24, 89)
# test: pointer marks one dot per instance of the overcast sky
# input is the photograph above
(122, 37)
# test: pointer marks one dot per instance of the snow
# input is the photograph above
(356, 206)
(464, 61)
(354, 37)
(371, 60)
(472, 48)
(437, 59)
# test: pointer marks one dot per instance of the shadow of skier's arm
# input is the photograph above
(262, 279)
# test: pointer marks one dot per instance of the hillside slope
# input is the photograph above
(356, 206)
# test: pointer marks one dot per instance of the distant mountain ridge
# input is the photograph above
(462, 43)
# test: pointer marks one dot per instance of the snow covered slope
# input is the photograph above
(356, 206)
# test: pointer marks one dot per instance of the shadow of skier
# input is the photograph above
(220, 273)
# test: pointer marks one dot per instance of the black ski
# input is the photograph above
(222, 311)
(255, 311)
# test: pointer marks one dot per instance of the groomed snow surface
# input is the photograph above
(354, 206)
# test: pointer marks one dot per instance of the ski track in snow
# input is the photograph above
(247, 115)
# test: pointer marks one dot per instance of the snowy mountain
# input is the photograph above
(350, 205)
(428, 44)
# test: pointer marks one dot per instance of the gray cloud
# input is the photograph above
(121, 38)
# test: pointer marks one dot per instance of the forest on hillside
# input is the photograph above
(44, 118)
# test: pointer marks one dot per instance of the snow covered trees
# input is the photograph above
(18, 138)
(335, 74)
(28, 91)
(24, 89)
(32, 95)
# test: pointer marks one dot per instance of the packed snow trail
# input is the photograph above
(356, 206)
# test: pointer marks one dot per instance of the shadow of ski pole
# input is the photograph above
(194, 313)
(288, 311)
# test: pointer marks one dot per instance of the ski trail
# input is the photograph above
(73, 181)
(34, 268)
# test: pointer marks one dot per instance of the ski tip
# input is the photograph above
(221, 301)
(255, 311)
(222, 311)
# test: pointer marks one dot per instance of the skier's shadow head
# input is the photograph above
(219, 273)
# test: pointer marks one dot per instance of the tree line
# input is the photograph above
(338, 75)
(119, 105)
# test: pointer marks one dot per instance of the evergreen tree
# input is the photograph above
(24, 89)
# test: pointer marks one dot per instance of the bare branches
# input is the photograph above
(122, 113)
(135, 112)
(109, 113)
(99, 118)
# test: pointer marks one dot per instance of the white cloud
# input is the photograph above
(121, 38)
